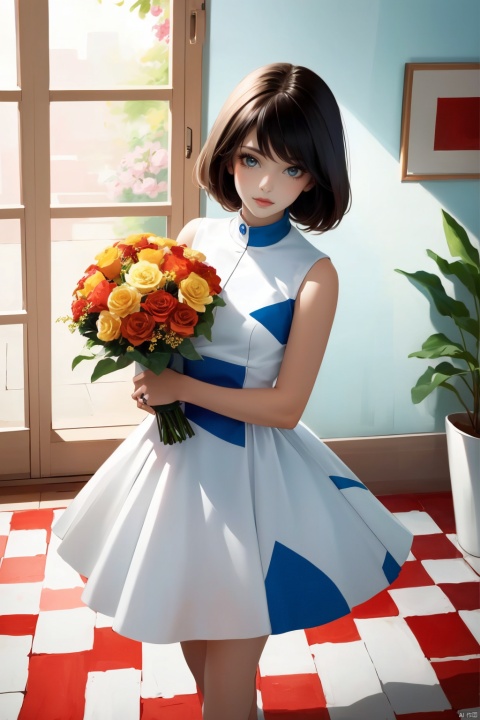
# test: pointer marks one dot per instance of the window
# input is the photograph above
(92, 148)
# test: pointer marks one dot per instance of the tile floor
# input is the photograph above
(412, 652)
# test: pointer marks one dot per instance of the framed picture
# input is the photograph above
(441, 121)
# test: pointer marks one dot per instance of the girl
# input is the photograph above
(253, 526)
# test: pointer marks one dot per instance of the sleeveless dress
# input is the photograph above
(243, 530)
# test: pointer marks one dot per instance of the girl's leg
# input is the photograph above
(195, 652)
(253, 710)
(230, 670)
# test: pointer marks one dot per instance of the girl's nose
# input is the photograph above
(266, 183)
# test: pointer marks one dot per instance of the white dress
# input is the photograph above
(242, 530)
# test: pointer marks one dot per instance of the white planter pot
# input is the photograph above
(464, 463)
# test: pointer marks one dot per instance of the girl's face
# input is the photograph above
(266, 187)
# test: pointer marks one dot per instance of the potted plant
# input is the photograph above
(463, 428)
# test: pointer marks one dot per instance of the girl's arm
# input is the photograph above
(187, 233)
(279, 406)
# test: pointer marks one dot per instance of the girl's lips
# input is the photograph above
(263, 202)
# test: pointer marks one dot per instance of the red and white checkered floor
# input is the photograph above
(411, 652)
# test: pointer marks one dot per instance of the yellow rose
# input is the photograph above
(162, 242)
(91, 283)
(109, 261)
(124, 300)
(153, 256)
(108, 326)
(194, 255)
(134, 239)
(195, 292)
(145, 277)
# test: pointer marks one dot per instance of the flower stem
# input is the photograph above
(173, 426)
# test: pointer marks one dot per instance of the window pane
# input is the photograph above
(9, 154)
(123, 158)
(11, 258)
(8, 51)
(11, 376)
(76, 401)
(98, 44)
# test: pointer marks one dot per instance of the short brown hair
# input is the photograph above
(296, 118)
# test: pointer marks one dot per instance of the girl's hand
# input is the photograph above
(156, 389)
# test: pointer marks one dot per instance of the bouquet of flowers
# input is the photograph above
(143, 300)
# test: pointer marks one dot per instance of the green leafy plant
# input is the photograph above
(143, 6)
(464, 352)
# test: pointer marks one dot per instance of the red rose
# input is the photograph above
(99, 296)
(144, 243)
(183, 320)
(159, 305)
(175, 263)
(128, 252)
(209, 274)
(78, 308)
(137, 327)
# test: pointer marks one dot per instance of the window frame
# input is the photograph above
(36, 451)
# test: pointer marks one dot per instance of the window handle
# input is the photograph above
(197, 25)
(188, 143)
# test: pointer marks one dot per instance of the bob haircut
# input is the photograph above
(297, 119)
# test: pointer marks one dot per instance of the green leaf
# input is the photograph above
(156, 362)
(439, 345)
(103, 367)
(143, 7)
(445, 304)
(458, 242)
(432, 378)
(78, 359)
(204, 326)
(468, 275)
(218, 301)
(468, 324)
(187, 350)
(159, 361)
(124, 361)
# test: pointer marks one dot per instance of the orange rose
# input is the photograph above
(183, 320)
(99, 296)
(152, 255)
(78, 308)
(109, 262)
(91, 270)
(138, 327)
(159, 305)
(175, 263)
(91, 283)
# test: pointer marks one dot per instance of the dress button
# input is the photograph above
(243, 229)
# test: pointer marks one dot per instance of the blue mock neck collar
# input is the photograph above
(264, 235)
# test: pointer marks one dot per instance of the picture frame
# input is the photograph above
(440, 135)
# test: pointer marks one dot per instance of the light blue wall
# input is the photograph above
(360, 48)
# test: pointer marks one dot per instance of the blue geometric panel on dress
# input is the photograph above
(343, 483)
(225, 374)
(276, 318)
(299, 595)
(390, 567)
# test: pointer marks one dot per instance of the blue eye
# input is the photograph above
(294, 172)
(249, 161)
